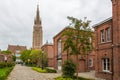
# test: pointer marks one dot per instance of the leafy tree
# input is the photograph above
(25, 55)
(13, 58)
(6, 52)
(78, 37)
(35, 56)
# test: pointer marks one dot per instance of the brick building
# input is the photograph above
(86, 63)
(16, 50)
(5, 57)
(49, 49)
(107, 44)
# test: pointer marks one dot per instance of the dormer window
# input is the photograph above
(102, 36)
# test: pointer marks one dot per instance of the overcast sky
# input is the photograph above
(17, 17)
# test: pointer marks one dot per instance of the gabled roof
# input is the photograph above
(62, 31)
(12, 48)
(102, 22)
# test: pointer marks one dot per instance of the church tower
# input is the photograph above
(37, 32)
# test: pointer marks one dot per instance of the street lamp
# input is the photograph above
(42, 60)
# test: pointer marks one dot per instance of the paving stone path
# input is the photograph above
(26, 73)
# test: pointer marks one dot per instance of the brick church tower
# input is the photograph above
(116, 38)
(37, 32)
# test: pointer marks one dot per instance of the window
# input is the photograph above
(106, 64)
(17, 51)
(108, 34)
(90, 62)
(59, 49)
(102, 36)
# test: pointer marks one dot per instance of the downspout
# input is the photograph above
(112, 61)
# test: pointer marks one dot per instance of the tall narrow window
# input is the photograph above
(90, 62)
(106, 64)
(59, 49)
(108, 34)
(102, 36)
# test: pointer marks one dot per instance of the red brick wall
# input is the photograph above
(116, 38)
(48, 48)
(83, 63)
(103, 50)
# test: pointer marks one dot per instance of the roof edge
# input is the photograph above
(95, 25)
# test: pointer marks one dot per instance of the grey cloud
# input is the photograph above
(17, 17)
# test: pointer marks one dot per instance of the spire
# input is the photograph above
(37, 20)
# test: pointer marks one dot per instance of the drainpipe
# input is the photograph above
(112, 62)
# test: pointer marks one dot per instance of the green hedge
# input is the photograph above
(4, 72)
(51, 70)
(74, 78)
(6, 64)
(68, 68)
(46, 70)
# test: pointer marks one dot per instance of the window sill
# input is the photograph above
(104, 42)
(107, 71)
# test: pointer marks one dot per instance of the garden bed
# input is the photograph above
(46, 70)
(4, 72)
(73, 78)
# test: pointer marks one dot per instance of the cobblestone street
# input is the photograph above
(26, 73)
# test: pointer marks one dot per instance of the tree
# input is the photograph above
(78, 38)
(35, 56)
(6, 52)
(25, 55)
(39, 57)
(13, 58)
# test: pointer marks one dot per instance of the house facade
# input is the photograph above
(86, 62)
(107, 44)
(16, 50)
(5, 57)
(49, 50)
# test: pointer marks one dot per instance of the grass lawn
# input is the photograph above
(4, 72)
(74, 78)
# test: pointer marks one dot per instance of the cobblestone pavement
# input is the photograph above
(26, 73)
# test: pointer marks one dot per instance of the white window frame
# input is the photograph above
(108, 34)
(106, 64)
(91, 62)
(102, 36)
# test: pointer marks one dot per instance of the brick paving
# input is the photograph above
(26, 73)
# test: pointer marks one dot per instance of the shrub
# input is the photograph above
(9, 64)
(68, 68)
(46, 70)
(6, 64)
(51, 70)
(39, 70)
(2, 64)
(61, 78)
(73, 78)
